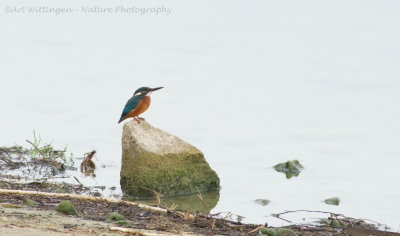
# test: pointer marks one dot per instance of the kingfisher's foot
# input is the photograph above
(140, 118)
(137, 119)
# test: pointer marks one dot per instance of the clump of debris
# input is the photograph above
(38, 161)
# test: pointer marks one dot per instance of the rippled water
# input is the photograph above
(251, 84)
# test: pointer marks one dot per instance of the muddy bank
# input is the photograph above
(18, 217)
(136, 216)
(29, 221)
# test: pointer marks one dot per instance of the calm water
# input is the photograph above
(251, 84)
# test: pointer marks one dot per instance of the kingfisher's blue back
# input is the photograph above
(130, 105)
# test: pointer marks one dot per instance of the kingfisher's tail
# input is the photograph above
(122, 118)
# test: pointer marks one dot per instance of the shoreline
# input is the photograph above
(41, 219)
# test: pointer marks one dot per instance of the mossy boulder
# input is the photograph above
(66, 207)
(153, 159)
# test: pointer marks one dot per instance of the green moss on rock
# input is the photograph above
(170, 174)
(156, 160)
(66, 207)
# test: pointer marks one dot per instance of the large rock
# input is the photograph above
(153, 159)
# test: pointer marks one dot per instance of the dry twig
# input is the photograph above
(156, 195)
(254, 230)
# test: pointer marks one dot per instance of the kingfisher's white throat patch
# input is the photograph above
(139, 93)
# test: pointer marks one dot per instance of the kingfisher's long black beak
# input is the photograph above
(154, 89)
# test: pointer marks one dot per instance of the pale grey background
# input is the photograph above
(250, 83)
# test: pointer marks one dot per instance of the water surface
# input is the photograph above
(251, 84)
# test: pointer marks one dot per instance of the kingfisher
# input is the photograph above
(137, 104)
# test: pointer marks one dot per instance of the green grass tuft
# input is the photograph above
(277, 231)
(124, 222)
(114, 216)
(29, 202)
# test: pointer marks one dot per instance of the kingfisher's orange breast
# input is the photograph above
(142, 106)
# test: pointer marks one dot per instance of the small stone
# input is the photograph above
(290, 168)
(332, 201)
(66, 207)
(262, 202)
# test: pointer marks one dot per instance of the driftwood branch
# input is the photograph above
(78, 181)
(83, 197)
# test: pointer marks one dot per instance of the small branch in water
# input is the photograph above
(309, 211)
(278, 215)
(78, 181)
